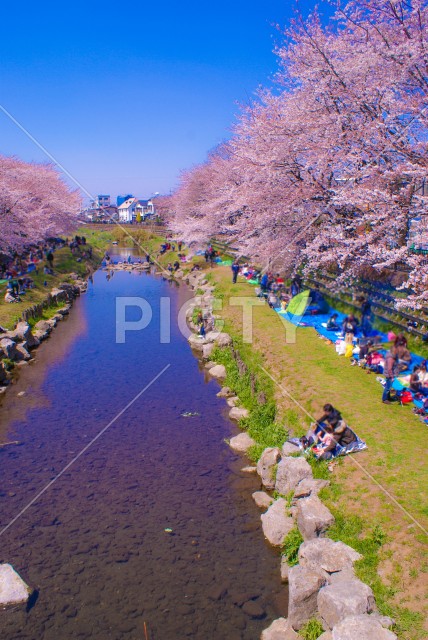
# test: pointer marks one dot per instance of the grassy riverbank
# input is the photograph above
(64, 263)
(308, 373)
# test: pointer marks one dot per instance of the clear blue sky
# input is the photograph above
(127, 94)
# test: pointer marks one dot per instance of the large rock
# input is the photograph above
(22, 352)
(328, 555)
(238, 413)
(8, 347)
(313, 517)
(218, 372)
(262, 499)
(13, 589)
(196, 342)
(43, 325)
(241, 443)
(290, 472)
(225, 392)
(289, 449)
(280, 629)
(304, 585)
(207, 350)
(346, 598)
(223, 340)
(233, 401)
(22, 333)
(309, 486)
(361, 627)
(266, 465)
(277, 523)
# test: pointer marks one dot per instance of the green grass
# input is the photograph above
(291, 545)
(309, 372)
(64, 263)
(311, 630)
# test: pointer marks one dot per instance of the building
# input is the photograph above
(145, 208)
(126, 210)
(121, 199)
(102, 201)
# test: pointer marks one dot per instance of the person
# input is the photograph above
(9, 296)
(343, 436)
(390, 370)
(235, 271)
(330, 415)
(13, 285)
(272, 300)
(180, 244)
(50, 258)
(264, 282)
(365, 317)
(404, 356)
(176, 265)
(417, 381)
(349, 325)
(332, 323)
(129, 259)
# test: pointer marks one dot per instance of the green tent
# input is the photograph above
(297, 306)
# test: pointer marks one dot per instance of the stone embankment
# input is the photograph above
(17, 345)
(323, 585)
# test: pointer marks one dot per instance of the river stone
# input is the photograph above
(210, 364)
(309, 486)
(223, 340)
(22, 352)
(207, 349)
(3, 373)
(342, 599)
(326, 636)
(329, 555)
(43, 325)
(225, 392)
(284, 570)
(238, 413)
(8, 347)
(13, 589)
(233, 401)
(196, 342)
(288, 448)
(266, 465)
(218, 372)
(280, 629)
(249, 469)
(262, 499)
(22, 333)
(361, 627)
(276, 523)
(313, 517)
(290, 472)
(303, 585)
(253, 609)
(241, 443)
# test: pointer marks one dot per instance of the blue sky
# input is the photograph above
(125, 95)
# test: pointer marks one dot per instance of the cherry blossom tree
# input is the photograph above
(35, 204)
(322, 173)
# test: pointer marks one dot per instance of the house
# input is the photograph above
(121, 199)
(145, 209)
(126, 210)
(102, 201)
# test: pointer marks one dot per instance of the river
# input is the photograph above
(96, 544)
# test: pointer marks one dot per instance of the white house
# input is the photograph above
(145, 208)
(126, 210)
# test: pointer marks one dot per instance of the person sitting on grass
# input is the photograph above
(10, 297)
(404, 356)
(342, 437)
(332, 323)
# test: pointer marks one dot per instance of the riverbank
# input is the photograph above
(367, 517)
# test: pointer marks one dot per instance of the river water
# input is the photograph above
(94, 544)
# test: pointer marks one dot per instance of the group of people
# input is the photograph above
(17, 269)
(329, 435)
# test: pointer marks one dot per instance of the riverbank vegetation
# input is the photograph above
(65, 262)
(363, 486)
